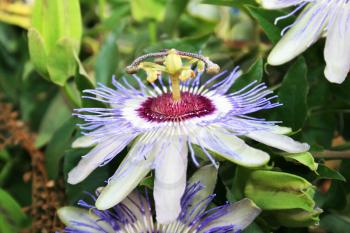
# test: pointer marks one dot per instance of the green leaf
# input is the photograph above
(334, 198)
(253, 228)
(319, 129)
(341, 92)
(55, 116)
(38, 53)
(304, 158)
(5, 226)
(345, 171)
(190, 44)
(293, 96)
(148, 182)
(61, 62)
(255, 73)
(272, 190)
(321, 93)
(325, 172)
(174, 10)
(61, 140)
(83, 82)
(234, 3)
(107, 59)
(72, 94)
(241, 177)
(12, 219)
(266, 20)
(150, 9)
(335, 223)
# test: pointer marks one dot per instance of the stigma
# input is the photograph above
(177, 64)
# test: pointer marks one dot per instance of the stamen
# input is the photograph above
(170, 62)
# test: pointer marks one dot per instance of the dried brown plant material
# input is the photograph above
(47, 195)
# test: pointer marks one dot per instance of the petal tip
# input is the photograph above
(334, 77)
(83, 142)
(73, 177)
(110, 196)
(299, 148)
(103, 204)
(306, 147)
(275, 59)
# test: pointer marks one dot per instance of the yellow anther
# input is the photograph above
(214, 69)
(186, 74)
(171, 62)
(200, 66)
(152, 75)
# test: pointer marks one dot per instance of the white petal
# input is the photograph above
(240, 214)
(305, 32)
(337, 50)
(129, 174)
(83, 142)
(274, 129)
(230, 147)
(276, 4)
(170, 181)
(68, 215)
(280, 129)
(278, 141)
(101, 153)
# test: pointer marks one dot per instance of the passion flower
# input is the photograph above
(165, 120)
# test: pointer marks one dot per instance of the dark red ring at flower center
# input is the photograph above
(164, 109)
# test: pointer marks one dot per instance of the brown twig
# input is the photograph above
(330, 154)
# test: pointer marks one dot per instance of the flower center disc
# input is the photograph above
(164, 109)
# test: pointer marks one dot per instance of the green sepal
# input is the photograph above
(61, 63)
(304, 158)
(272, 190)
(295, 217)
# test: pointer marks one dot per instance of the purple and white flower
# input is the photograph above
(330, 18)
(134, 214)
(162, 133)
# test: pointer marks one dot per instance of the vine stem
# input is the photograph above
(332, 155)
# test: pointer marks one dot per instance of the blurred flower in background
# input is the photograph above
(329, 18)
(134, 213)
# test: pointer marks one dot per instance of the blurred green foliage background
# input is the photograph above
(50, 50)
